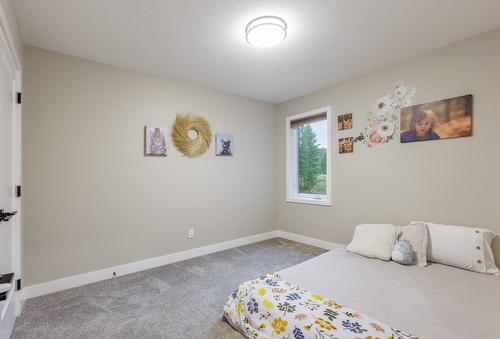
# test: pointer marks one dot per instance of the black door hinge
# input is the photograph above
(18, 97)
(18, 191)
(18, 285)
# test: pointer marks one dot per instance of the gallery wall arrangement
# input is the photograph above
(393, 113)
(191, 135)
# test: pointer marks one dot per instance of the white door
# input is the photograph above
(10, 226)
(7, 156)
(10, 235)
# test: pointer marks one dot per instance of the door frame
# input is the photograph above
(6, 32)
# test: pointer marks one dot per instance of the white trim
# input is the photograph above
(107, 273)
(310, 201)
(327, 245)
(291, 145)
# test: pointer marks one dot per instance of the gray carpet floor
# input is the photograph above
(181, 300)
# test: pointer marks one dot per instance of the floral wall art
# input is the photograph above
(383, 121)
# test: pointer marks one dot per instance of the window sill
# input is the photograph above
(310, 201)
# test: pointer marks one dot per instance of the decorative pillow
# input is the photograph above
(374, 240)
(416, 235)
(461, 246)
(402, 253)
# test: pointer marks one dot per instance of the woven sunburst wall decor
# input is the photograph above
(191, 148)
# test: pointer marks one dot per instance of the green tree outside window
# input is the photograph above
(312, 162)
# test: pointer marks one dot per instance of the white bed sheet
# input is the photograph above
(434, 302)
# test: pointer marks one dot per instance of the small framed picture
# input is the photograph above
(155, 141)
(346, 145)
(344, 121)
(224, 145)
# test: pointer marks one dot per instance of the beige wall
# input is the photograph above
(450, 181)
(92, 200)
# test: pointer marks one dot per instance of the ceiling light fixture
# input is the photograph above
(266, 31)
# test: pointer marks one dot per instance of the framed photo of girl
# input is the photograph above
(443, 119)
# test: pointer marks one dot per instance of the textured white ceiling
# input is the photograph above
(203, 42)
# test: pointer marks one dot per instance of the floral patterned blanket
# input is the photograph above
(269, 307)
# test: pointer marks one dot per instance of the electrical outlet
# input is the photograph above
(191, 233)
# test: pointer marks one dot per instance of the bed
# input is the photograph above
(437, 301)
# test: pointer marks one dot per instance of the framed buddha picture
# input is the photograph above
(155, 141)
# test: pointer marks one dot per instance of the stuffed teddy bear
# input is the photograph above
(402, 252)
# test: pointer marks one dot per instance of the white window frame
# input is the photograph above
(292, 190)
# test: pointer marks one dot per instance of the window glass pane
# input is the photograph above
(312, 150)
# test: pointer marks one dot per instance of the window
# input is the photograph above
(308, 157)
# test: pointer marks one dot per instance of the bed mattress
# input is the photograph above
(437, 301)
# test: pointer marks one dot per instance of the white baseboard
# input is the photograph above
(327, 245)
(107, 273)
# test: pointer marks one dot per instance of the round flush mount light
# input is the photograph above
(266, 31)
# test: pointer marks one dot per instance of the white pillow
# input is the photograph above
(374, 240)
(416, 235)
(463, 247)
